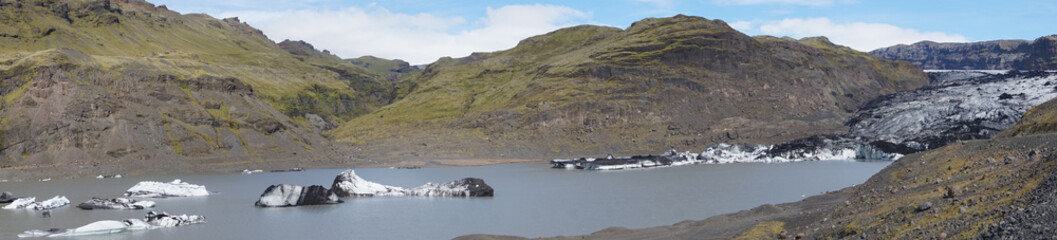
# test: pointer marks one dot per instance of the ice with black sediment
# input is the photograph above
(956, 105)
(115, 203)
(153, 220)
(31, 203)
(348, 184)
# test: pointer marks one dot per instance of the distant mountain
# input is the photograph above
(123, 85)
(393, 70)
(682, 82)
(1040, 54)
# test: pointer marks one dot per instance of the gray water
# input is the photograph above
(530, 200)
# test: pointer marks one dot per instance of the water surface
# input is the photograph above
(531, 200)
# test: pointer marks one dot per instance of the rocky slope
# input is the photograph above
(1040, 54)
(1000, 188)
(680, 82)
(97, 87)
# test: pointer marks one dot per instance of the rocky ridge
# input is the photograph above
(988, 55)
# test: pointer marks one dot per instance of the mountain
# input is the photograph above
(1040, 54)
(126, 86)
(393, 70)
(680, 82)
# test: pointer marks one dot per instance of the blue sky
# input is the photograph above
(422, 31)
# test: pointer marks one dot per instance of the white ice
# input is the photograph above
(176, 188)
(30, 203)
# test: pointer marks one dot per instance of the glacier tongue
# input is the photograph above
(956, 105)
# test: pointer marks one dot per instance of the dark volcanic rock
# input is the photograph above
(286, 195)
(7, 197)
(1036, 220)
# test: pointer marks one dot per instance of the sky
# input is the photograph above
(420, 32)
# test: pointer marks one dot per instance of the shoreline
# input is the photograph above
(57, 171)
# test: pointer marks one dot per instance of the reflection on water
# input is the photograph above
(531, 200)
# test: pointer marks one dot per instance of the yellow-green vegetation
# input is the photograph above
(969, 186)
(135, 35)
(175, 142)
(763, 230)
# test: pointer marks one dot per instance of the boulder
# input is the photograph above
(286, 195)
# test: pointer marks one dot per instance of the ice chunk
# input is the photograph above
(165, 220)
(347, 184)
(21, 203)
(116, 203)
(30, 203)
(286, 195)
(95, 228)
(176, 188)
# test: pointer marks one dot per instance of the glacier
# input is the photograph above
(956, 105)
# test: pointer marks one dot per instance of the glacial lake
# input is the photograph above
(531, 200)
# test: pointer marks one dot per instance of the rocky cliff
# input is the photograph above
(680, 82)
(109, 86)
(1040, 54)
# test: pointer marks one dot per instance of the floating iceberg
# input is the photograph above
(109, 176)
(164, 220)
(348, 184)
(30, 203)
(286, 195)
(176, 188)
(248, 172)
(96, 228)
(151, 221)
(116, 203)
(21, 203)
(466, 187)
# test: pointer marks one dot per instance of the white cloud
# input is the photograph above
(792, 2)
(860, 36)
(416, 38)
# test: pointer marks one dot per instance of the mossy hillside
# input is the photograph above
(392, 69)
(682, 82)
(142, 37)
